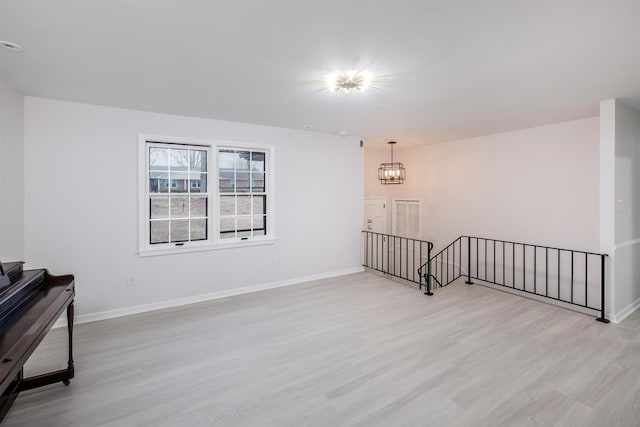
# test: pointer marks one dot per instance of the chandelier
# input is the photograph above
(392, 173)
(349, 81)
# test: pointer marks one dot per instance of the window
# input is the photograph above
(243, 196)
(176, 215)
(197, 195)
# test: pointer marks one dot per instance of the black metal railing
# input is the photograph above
(444, 267)
(396, 256)
(570, 276)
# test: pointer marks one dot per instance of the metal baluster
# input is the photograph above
(477, 259)
(447, 265)
(524, 265)
(469, 282)
(485, 260)
(406, 261)
(559, 275)
(394, 255)
(454, 261)
(546, 271)
(513, 266)
(366, 249)
(428, 278)
(504, 280)
(586, 272)
(460, 256)
(535, 271)
(413, 258)
(571, 277)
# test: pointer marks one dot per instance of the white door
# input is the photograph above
(376, 244)
(405, 256)
(406, 218)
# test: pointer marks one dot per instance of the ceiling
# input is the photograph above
(448, 68)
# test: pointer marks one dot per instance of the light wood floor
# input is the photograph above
(355, 350)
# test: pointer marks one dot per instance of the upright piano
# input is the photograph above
(30, 303)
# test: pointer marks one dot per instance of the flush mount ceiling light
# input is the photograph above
(11, 46)
(349, 81)
(392, 173)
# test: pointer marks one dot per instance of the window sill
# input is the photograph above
(202, 248)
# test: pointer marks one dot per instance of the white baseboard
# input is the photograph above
(625, 312)
(120, 312)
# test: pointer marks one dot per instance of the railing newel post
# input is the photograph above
(428, 284)
(602, 317)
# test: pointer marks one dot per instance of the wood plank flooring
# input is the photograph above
(357, 350)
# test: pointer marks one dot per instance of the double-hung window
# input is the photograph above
(243, 195)
(198, 195)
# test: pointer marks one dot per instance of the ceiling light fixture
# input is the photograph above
(392, 173)
(11, 46)
(349, 81)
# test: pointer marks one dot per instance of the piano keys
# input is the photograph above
(30, 303)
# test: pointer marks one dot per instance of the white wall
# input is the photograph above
(81, 199)
(627, 208)
(11, 173)
(608, 195)
(537, 185)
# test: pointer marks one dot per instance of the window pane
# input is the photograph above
(259, 224)
(242, 160)
(225, 182)
(198, 206)
(179, 208)
(259, 205)
(158, 182)
(198, 229)
(158, 159)
(179, 159)
(198, 182)
(159, 207)
(198, 160)
(244, 205)
(226, 159)
(260, 232)
(159, 231)
(257, 162)
(179, 230)
(179, 182)
(242, 182)
(244, 224)
(257, 182)
(227, 228)
(227, 205)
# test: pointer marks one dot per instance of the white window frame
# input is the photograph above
(214, 242)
